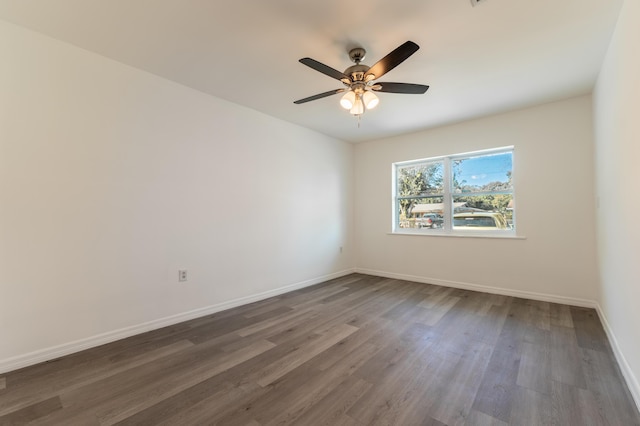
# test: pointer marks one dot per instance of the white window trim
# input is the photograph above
(447, 199)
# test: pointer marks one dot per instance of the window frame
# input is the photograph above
(448, 196)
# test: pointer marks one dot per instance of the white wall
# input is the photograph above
(617, 136)
(111, 179)
(553, 176)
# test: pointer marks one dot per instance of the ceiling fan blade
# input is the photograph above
(392, 60)
(324, 69)
(415, 89)
(319, 96)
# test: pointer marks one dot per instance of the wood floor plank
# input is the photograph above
(263, 308)
(157, 378)
(560, 315)
(366, 302)
(435, 298)
(495, 394)
(201, 403)
(176, 409)
(530, 408)
(231, 324)
(122, 407)
(540, 313)
(574, 406)
(409, 403)
(298, 390)
(313, 392)
(432, 315)
(566, 365)
(330, 409)
(281, 367)
(411, 299)
(205, 411)
(452, 404)
(248, 373)
(428, 421)
(589, 331)
(32, 412)
(385, 401)
(305, 302)
(302, 301)
(284, 318)
(534, 372)
(372, 334)
(345, 420)
(488, 328)
(465, 320)
(603, 379)
(404, 374)
(28, 393)
(328, 313)
(362, 314)
(477, 418)
(291, 330)
(94, 357)
(357, 350)
(116, 397)
(388, 360)
(476, 302)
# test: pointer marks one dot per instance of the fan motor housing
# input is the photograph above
(356, 72)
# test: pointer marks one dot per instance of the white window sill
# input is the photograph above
(508, 236)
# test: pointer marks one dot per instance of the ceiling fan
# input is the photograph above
(359, 79)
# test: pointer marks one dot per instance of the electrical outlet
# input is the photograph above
(340, 249)
(182, 275)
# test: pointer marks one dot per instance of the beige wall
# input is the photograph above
(617, 136)
(112, 179)
(553, 175)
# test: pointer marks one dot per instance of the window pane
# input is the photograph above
(420, 179)
(477, 193)
(483, 211)
(484, 173)
(424, 213)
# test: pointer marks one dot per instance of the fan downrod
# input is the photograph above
(357, 55)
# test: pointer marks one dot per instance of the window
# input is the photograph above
(458, 194)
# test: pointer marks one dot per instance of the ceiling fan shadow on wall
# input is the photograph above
(359, 79)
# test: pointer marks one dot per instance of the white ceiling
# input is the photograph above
(499, 55)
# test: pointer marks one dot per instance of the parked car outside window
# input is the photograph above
(480, 220)
(430, 220)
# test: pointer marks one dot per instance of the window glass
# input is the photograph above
(420, 179)
(421, 213)
(482, 173)
(496, 204)
(459, 193)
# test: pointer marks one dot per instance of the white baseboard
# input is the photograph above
(627, 373)
(48, 354)
(485, 289)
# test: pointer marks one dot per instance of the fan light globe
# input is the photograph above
(370, 99)
(358, 107)
(348, 100)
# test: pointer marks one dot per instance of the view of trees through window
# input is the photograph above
(474, 191)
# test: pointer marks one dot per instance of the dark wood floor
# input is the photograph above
(358, 350)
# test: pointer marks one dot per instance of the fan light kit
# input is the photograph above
(359, 79)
